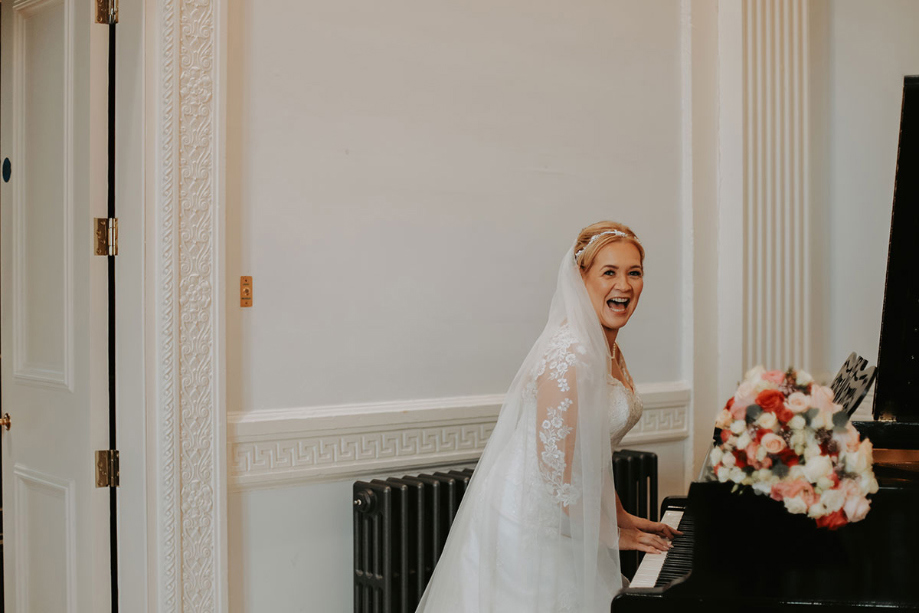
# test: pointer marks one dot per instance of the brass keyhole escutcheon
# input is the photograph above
(5, 421)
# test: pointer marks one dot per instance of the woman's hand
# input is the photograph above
(655, 527)
(635, 539)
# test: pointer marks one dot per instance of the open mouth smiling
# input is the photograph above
(618, 305)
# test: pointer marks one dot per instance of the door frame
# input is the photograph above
(185, 302)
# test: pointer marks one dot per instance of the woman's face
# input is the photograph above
(614, 283)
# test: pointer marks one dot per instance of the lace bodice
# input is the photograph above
(624, 410)
(624, 405)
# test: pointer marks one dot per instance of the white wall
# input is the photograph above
(404, 177)
(871, 47)
(408, 175)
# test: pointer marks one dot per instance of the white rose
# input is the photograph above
(727, 460)
(795, 504)
(819, 421)
(803, 379)
(797, 422)
(866, 448)
(816, 467)
(833, 500)
(796, 472)
(744, 441)
(763, 385)
(857, 508)
(797, 438)
(811, 451)
(867, 484)
(738, 426)
(798, 402)
(766, 420)
(762, 488)
(855, 462)
(716, 455)
(817, 510)
(755, 374)
(724, 419)
(765, 475)
(737, 474)
(761, 453)
(824, 483)
(722, 473)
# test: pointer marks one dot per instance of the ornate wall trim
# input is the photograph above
(776, 322)
(187, 301)
(312, 444)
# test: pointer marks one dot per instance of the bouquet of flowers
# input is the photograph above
(783, 435)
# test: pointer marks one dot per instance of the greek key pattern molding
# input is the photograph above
(347, 442)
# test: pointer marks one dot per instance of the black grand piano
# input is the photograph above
(746, 553)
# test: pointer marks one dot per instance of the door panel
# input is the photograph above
(53, 316)
(44, 524)
(43, 195)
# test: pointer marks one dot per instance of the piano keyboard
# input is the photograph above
(658, 569)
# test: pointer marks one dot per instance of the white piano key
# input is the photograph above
(650, 567)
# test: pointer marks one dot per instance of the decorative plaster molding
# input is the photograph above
(190, 483)
(302, 445)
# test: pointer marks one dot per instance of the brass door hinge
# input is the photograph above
(106, 236)
(107, 468)
(107, 11)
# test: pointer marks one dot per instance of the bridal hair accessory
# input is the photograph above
(596, 236)
(783, 436)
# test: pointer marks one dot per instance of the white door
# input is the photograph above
(53, 326)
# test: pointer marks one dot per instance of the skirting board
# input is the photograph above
(272, 448)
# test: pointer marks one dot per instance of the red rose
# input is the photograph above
(771, 400)
(788, 457)
(784, 414)
(730, 403)
(831, 521)
(740, 458)
(761, 433)
(835, 478)
(725, 435)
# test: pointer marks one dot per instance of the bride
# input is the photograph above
(541, 526)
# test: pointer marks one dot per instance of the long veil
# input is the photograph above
(536, 532)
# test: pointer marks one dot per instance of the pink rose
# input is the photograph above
(848, 439)
(790, 489)
(724, 419)
(744, 396)
(773, 443)
(798, 402)
(739, 411)
(822, 398)
(856, 508)
(851, 437)
(775, 376)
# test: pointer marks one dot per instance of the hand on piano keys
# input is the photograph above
(652, 570)
(648, 536)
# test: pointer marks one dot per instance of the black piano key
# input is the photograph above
(678, 562)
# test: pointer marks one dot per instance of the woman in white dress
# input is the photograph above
(541, 526)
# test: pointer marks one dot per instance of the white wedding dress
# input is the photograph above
(536, 532)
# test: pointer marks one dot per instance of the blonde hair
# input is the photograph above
(589, 250)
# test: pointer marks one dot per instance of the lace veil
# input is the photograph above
(536, 532)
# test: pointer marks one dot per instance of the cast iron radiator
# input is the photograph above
(401, 525)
